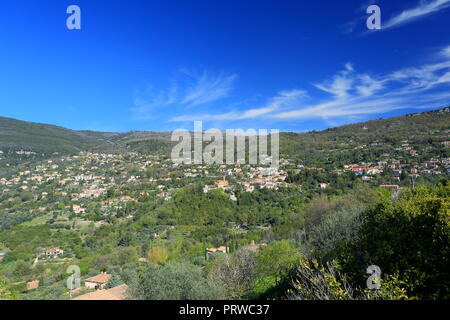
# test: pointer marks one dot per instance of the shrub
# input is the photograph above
(158, 255)
(174, 281)
(335, 231)
(409, 238)
(235, 272)
(312, 281)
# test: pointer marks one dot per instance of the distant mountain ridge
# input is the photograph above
(348, 141)
(30, 136)
(44, 138)
(18, 135)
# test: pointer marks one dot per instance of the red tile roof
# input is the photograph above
(33, 285)
(116, 293)
(221, 182)
(219, 249)
(100, 278)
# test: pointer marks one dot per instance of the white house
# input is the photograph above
(54, 253)
(97, 282)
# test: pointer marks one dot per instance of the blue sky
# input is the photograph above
(160, 65)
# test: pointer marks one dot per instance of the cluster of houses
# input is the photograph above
(368, 170)
(88, 176)
(252, 246)
(48, 254)
(65, 176)
(96, 287)
(270, 178)
(78, 178)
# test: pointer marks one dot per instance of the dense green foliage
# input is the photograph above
(336, 146)
(332, 146)
(408, 238)
(174, 281)
(151, 224)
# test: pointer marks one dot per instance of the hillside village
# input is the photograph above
(88, 176)
(259, 154)
(113, 213)
(100, 185)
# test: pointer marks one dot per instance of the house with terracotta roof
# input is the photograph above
(211, 251)
(221, 249)
(116, 293)
(97, 282)
(54, 253)
(33, 284)
(221, 183)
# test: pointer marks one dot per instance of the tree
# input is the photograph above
(26, 196)
(5, 291)
(158, 255)
(39, 251)
(335, 231)
(114, 281)
(174, 281)
(22, 269)
(312, 281)
(126, 255)
(235, 272)
(410, 238)
(277, 260)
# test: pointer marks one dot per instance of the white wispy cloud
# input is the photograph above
(207, 88)
(340, 84)
(372, 95)
(368, 86)
(420, 78)
(284, 99)
(446, 52)
(147, 102)
(423, 9)
(189, 89)
(351, 93)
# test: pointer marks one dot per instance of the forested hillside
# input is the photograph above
(331, 145)
(375, 193)
(367, 140)
(42, 138)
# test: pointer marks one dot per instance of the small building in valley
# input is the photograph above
(54, 253)
(33, 285)
(213, 251)
(97, 282)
